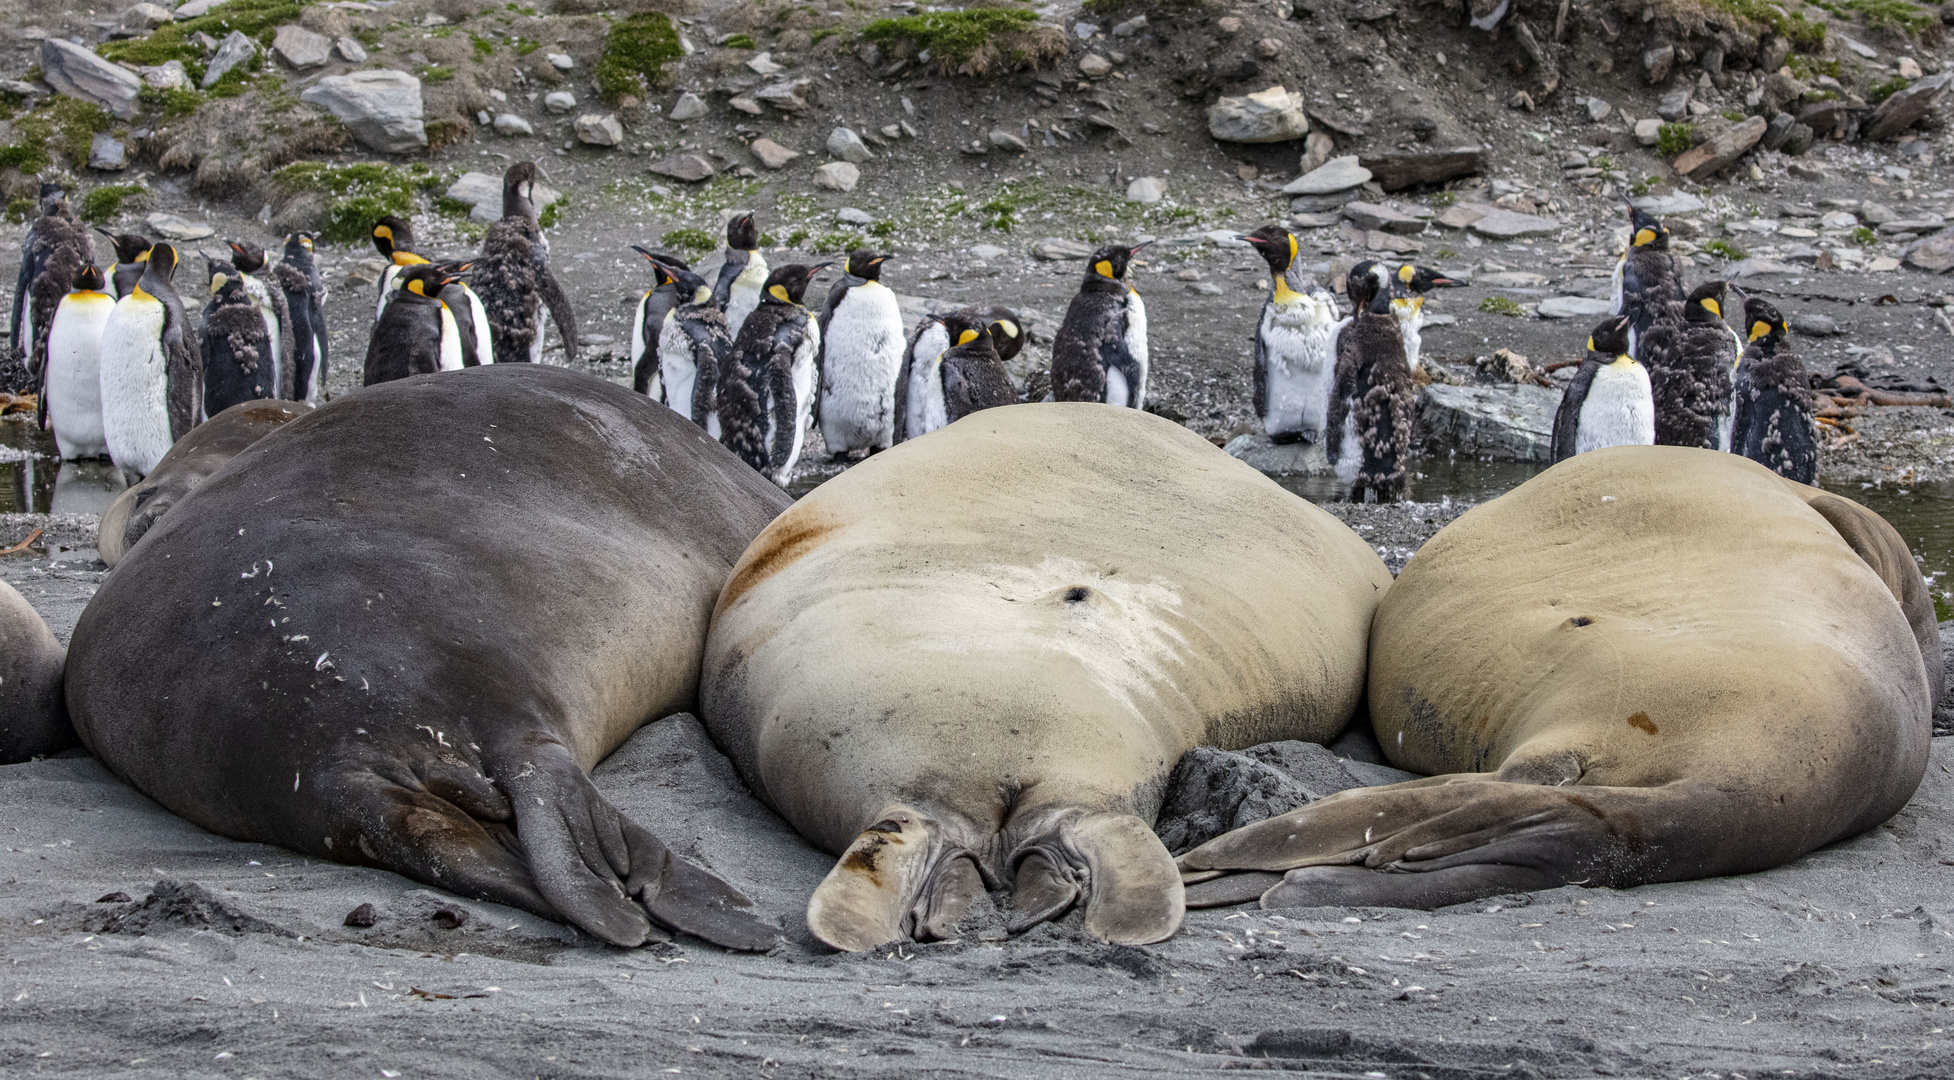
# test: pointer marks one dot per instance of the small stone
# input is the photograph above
(1085, 30)
(146, 17)
(1859, 47)
(772, 154)
(561, 61)
(1369, 216)
(785, 96)
(1877, 214)
(1461, 215)
(301, 48)
(1598, 109)
(1271, 115)
(691, 106)
(1268, 48)
(1648, 132)
(1674, 104)
(691, 168)
(1909, 67)
(1508, 224)
(235, 49)
(105, 153)
(168, 75)
(854, 216)
(483, 118)
(510, 125)
(1797, 141)
(350, 50)
(599, 129)
(1812, 324)
(1681, 202)
(987, 251)
(1838, 219)
(1207, 288)
(1317, 149)
(560, 101)
(848, 146)
(116, 897)
(1130, 27)
(171, 227)
(1095, 66)
(1378, 240)
(1884, 264)
(451, 917)
(1778, 130)
(1313, 221)
(1004, 140)
(1914, 226)
(1337, 174)
(763, 64)
(195, 8)
(1055, 249)
(1146, 189)
(363, 916)
(744, 104)
(837, 176)
(1572, 307)
(1934, 254)
(1657, 61)
(1229, 24)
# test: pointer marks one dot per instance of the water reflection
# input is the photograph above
(85, 487)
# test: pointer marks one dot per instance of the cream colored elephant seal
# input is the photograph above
(975, 659)
(1649, 663)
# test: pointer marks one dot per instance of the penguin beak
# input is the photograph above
(1130, 252)
(649, 257)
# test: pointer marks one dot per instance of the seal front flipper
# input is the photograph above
(902, 879)
(1112, 862)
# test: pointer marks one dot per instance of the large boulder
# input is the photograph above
(1721, 150)
(78, 73)
(1396, 170)
(1505, 423)
(1266, 116)
(1904, 108)
(381, 108)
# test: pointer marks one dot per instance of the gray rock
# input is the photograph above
(1681, 202)
(171, 227)
(1215, 791)
(382, 109)
(145, 17)
(561, 61)
(1904, 108)
(1332, 203)
(1130, 27)
(1313, 221)
(772, 154)
(691, 168)
(1395, 170)
(690, 106)
(1266, 116)
(1674, 104)
(105, 153)
(1934, 254)
(1648, 132)
(852, 215)
(1778, 130)
(1812, 324)
(1797, 141)
(1510, 279)
(1930, 223)
(79, 73)
(483, 192)
(763, 64)
(560, 101)
(301, 48)
(1572, 307)
(1757, 267)
(235, 49)
(1366, 215)
(1004, 140)
(1876, 214)
(1337, 174)
(350, 50)
(987, 251)
(745, 104)
(1507, 224)
(1054, 249)
(1720, 151)
(1859, 47)
(1207, 288)
(837, 176)
(510, 125)
(1598, 109)
(1657, 61)
(785, 96)
(1779, 91)
(599, 129)
(1266, 455)
(1509, 422)
(848, 146)
(195, 8)
(168, 75)
(1146, 189)
(1773, 52)
(1094, 66)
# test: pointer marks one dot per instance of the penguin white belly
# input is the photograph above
(676, 371)
(1350, 452)
(74, 376)
(744, 295)
(926, 410)
(803, 375)
(1414, 342)
(484, 337)
(858, 381)
(1491, 18)
(271, 335)
(1136, 347)
(1618, 411)
(450, 341)
(135, 384)
(536, 343)
(1296, 350)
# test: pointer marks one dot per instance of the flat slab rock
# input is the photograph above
(1508, 422)
(1396, 170)
(1506, 224)
(1337, 174)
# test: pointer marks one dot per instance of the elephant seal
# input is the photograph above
(189, 462)
(402, 632)
(977, 657)
(33, 719)
(1645, 664)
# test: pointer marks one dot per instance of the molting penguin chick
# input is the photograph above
(240, 357)
(1100, 353)
(1773, 425)
(249, 261)
(920, 406)
(1295, 361)
(1647, 278)
(648, 321)
(1689, 354)
(767, 398)
(1609, 403)
(694, 351)
(131, 251)
(56, 247)
(71, 381)
(297, 277)
(152, 376)
(513, 277)
(972, 376)
(1371, 405)
(743, 273)
(417, 334)
(862, 344)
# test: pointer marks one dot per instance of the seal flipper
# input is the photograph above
(901, 879)
(1113, 862)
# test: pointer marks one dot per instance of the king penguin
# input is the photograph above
(513, 277)
(297, 277)
(1689, 353)
(920, 405)
(417, 334)
(240, 355)
(71, 381)
(56, 248)
(1647, 278)
(693, 351)
(1371, 405)
(648, 321)
(767, 399)
(1773, 426)
(152, 377)
(393, 238)
(862, 343)
(1408, 286)
(1609, 403)
(971, 376)
(131, 251)
(248, 259)
(1100, 353)
(1295, 362)
(742, 274)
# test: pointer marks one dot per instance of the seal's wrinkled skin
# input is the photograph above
(1645, 664)
(977, 657)
(400, 633)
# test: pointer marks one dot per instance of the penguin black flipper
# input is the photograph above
(561, 313)
(782, 402)
(711, 355)
(1261, 377)
(183, 367)
(307, 336)
(1567, 418)
(71, 248)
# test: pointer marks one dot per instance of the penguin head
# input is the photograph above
(788, 284)
(128, 247)
(227, 287)
(1423, 279)
(54, 199)
(425, 279)
(1762, 324)
(1649, 231)
(88, 278)
(969, 334)
(1275, 244)
(391, 234)
(248, 257)
(1112, 260)
(667, 270)
(1705, 303)
(161, 262)
(1363, 284)
(1610, 339)
(519, 190)
(1007, 329)
(299, 241)
(866, 264)
(742, 234)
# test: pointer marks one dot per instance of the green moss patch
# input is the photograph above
(635, 54)
(355, 195)
(697, 240)
(1898, 15)
(1673, 139)
(173, 103)
(974, 42)
(18, 210)
(1886, 89)
(1723, 249)
(104, 203)
(1804, 35)
(1500, 305)
(257, 19)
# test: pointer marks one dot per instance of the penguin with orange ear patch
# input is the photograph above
(1100, 353)
(417, 332)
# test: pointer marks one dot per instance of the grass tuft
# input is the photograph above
(1673, 139)
(635, 54)
(1804, 34)
(1500, 305)
(1864, 237)
(18, 210)
(1886, 89)
(1723, 249)
(104, 203)
(688, 239)
(355, 195)
(974, 42)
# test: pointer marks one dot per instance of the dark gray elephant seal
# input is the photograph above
(402, 632)
(190, 461)
(977, 657)
(33, 718)
(1649, 663)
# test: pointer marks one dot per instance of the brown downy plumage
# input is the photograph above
(1689, 353)
(513, 279)
(1373, 393)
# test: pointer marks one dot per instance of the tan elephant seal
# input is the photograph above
(207, 448)
(976, 658)
(1645, 664)
(33, 716)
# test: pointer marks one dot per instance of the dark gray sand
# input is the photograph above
(232, 960)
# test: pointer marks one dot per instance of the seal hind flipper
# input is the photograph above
(876, 889)
(1112, 862)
